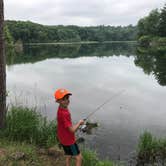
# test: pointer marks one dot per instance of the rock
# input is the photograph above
(53, 151)
(2, 152)
(17, 155)
(42, 151)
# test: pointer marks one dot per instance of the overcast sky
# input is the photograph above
(80, 12)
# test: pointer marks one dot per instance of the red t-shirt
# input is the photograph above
(65, 136)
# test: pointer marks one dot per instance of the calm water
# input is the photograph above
(94, 73)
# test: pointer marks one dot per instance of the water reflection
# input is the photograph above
(153, 61)
(150, 61)
(35, 53)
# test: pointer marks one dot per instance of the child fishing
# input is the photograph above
(65, 129)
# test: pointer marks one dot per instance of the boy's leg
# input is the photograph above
(78, 159)
(68, 160)
(74, 151)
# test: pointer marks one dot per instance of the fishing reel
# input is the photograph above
(88, 126)
(83, 128)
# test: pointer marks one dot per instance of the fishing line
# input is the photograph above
(108, 100)
(84, 126)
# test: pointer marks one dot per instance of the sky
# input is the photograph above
(80, 12)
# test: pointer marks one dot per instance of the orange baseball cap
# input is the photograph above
(60, 93)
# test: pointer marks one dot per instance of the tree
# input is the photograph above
(2, 69)
(149, 25)
(8, 37)
(162, 22)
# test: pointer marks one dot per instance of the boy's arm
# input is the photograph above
(76, 126)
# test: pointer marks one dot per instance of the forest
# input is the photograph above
(29, 32)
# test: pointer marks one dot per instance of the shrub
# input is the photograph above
(144, 41)
(24, 124)
(150, 149)
(162, 41)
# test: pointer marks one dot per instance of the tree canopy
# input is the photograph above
(154, 24)
(29, 32)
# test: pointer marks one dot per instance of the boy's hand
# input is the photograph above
(81, 122)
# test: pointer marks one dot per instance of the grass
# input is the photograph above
(11, 148)
(32, 156)
(90, 158)
(151, 150)
(24, 124)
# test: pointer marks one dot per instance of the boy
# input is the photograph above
(65, 128)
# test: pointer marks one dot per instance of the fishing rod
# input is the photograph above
(95, 110)
(108, 100)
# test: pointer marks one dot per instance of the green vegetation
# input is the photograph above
(35, 53)
(9, 151)
(151, 51)
(24, 124)
(91, 159)
(151, 150)
(8, 38)
(23, 154)
(153, 42)
(152, 28)
(29, 32)
(15, 153)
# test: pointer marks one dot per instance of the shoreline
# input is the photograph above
(83, 42)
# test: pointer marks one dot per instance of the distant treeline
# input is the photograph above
(29, 32)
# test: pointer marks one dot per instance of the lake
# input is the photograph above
(94, 73)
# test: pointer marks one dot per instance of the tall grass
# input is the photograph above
(151, 149)
(25, 124)
(90, 158)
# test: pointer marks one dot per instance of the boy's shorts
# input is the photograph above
(71, 150)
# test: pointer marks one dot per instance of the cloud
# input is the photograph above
(83, 13)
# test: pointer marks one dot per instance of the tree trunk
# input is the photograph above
(2, 69)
